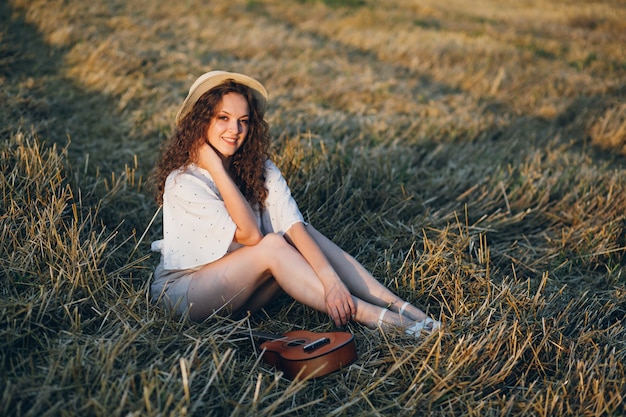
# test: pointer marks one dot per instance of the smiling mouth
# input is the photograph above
(229, 140)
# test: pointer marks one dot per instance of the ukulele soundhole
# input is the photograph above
(296, 343)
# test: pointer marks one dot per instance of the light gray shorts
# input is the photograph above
(169, 287)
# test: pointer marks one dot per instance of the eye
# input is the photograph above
(245, 121)
(222, 117)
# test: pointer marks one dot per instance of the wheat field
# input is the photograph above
(472, 155)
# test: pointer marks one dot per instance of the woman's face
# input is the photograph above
(228, 129)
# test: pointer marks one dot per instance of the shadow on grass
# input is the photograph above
(39, 100)
(38, 96)
(519, 183)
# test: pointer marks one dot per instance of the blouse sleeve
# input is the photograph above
(197, 228)
(281, 211)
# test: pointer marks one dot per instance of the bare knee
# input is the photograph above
(275, 247)
(273, 241)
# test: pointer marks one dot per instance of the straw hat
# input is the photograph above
(214, 78)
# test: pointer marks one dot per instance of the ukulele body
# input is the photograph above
(310, 354)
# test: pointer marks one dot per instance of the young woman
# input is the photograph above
(233, 234)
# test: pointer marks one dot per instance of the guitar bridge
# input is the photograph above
(316, 344)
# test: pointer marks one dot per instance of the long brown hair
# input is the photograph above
(247, 167)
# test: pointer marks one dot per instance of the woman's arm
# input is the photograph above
(339, 303)
(247, 232)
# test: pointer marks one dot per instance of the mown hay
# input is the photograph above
(471, 156)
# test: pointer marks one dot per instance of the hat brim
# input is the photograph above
(212, 79)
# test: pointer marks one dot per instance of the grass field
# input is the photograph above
(471, 154)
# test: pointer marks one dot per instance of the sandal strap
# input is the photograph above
(406, 303)
(380, 317)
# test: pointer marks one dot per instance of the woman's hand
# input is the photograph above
(337, 298)
(339, 303)
(209, 159)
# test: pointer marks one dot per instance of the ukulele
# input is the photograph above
(308, 354)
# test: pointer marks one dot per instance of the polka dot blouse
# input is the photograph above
(197, 228)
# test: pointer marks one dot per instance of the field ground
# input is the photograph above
(471, 154)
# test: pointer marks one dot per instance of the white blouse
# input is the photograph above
(197, 228)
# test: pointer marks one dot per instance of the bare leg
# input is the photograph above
(238, 277)
(360, 282)
(263, 295)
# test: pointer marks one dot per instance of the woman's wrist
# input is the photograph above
(328, 276)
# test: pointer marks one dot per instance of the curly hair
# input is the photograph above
(247, 167)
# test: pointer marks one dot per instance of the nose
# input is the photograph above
(235, 126)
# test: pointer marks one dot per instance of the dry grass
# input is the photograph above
(471, 154)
